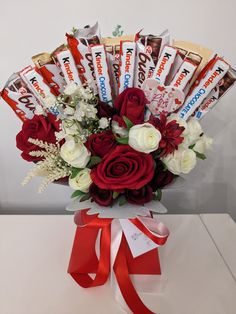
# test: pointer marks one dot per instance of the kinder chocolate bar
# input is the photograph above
(201, 91)
(46, 67)
(219, 91)
(184, 74)
(127, 60)
(164, 64)
(68, 67)
(19, 97)
(101, 72)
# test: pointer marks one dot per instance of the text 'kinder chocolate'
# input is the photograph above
(164, 64)
(19, 97)
(68, 67)
(127, 61)
(101, 72)
(200, 92)
(184, 75)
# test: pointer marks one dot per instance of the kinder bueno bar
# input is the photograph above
(19, 97)
(127, 60)
(51, 73)
(201, 91)
(101, 72)
(184, 74)
(219, 91)
(164, 64)
(68, 67)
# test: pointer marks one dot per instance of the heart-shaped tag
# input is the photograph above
(162, 99)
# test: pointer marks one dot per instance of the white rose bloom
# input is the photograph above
(182, 161)
(144, 137)
(103, 123)
(82, 181)
(181, 122)
(75, 154)
(71, 89)
(69, 111)
(116, 129)
(49, 101)
(194, 131)
(203, 144)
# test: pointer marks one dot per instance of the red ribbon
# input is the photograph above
(84, 259)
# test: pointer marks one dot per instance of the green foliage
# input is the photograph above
(118, 31)
(122, 200)
(94, 160)
(74, 172)
(128, 123)
(122, 140)
(200, 156)
(77, 193)
(85, 197)
(157, 195)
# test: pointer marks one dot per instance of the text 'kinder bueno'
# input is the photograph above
(101, 72)
(19, 97)
(68, 67)
(164, 64)
(201, 91)
(127, 61)
(184, 74)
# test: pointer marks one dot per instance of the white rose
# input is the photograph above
(181, 122)
(103, 123)
(82, 181)
(194, 131)
(144, 137)
(69, 111)
(75, 154)
(116, 129)
(71, 89)
(182, 161)
(203, 144)
(49, 101)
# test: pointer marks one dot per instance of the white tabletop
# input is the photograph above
(197, 275)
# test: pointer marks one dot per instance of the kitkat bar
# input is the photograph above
(51, 73)
(164, 64)
(184, 74)
(102, 73)
(19, 97)
(211, 78)
(127, 61)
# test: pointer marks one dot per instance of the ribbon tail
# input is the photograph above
(126, 286)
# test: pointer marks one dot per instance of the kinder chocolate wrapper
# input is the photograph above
(201, 91)
(102, 74)
(184, 74)
(113, 66)
(68, 66)
(219, 91)
(164, 64)
(19, 97)
(46, 67)
(127, 60)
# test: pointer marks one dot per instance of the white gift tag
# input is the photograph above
(138, 242)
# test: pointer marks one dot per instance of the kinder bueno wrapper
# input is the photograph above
(101, 72)
(184, 74)
(202, 90)
(127, 61)
(46, 67)
(219, 91)
(19, 97)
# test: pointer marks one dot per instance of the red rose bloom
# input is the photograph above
(100, 196)
(161, 177)
(140, 196)
(131, 104)
(170, 134)
(123, 168)
(101, 143)
(39, 127)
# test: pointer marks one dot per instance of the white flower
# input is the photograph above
(144, 137)
(203, 144)
(39, 110)
(82, 181)
(103, 123)
(69, 111)
(75, 154)
(181, 122)
(49, 101)
(116, 129)
(182, 161)
(85, 110)
(71, 88)
(194, 131)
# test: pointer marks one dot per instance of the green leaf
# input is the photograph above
(77, 193)
(74, 172)
(191, 146)
(122, 200)
(115, 195)
(200, 156)
(122, 140)
(85, 197)
(94, 160)
(128, 123)
(157, 195)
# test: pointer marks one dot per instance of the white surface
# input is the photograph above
(29, 27)
(34, 254)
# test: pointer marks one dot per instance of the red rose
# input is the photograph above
(104, 110)
(100, 196)
(162, 177)
(101, 143)
(140, 196)
(130, 103)
(123, 168)
(39, 127)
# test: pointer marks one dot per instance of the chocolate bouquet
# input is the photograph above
(116, 119)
